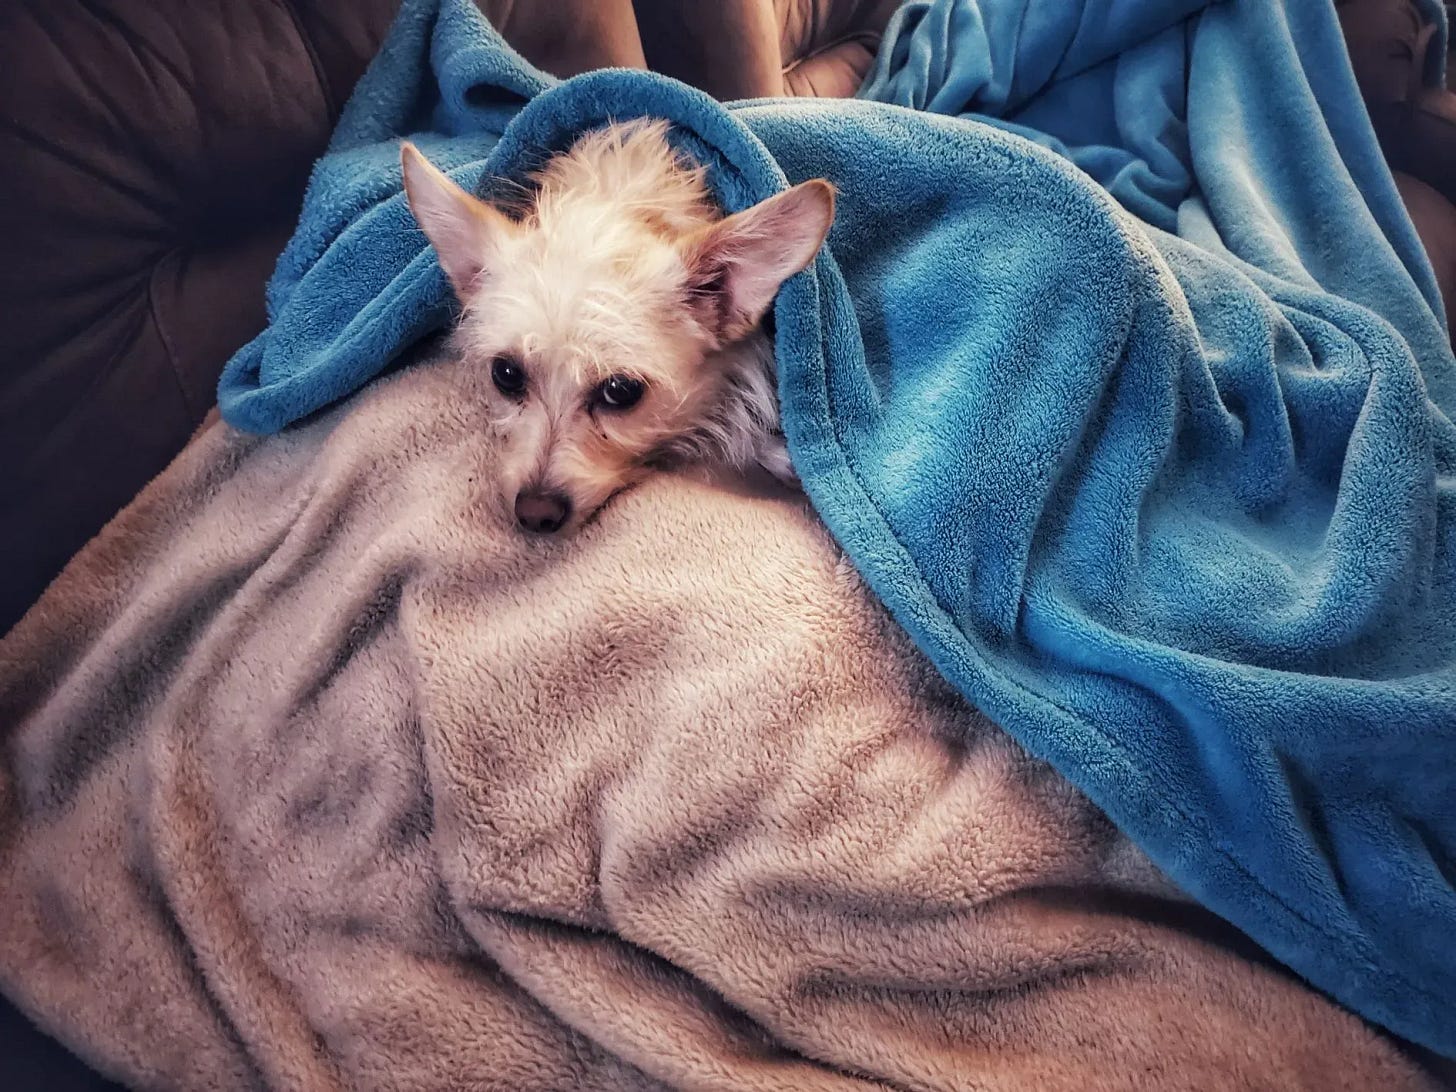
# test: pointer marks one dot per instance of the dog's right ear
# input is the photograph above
(736, 266)
(464, 230)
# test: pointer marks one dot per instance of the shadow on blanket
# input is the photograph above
(317, 776)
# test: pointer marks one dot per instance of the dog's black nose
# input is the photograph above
(543, 513)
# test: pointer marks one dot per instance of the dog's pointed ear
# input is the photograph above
(737, 265)
(463, 229)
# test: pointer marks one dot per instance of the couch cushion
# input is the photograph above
(152, 165)
(827, 49)
(740, 49)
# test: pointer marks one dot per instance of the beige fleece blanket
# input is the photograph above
(317, 776)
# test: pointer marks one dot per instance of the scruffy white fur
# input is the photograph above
(620, 271)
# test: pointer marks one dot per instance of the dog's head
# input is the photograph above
(615, 316)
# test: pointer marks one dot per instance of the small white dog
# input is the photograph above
(619, 317)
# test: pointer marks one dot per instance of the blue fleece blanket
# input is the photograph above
(1141, 427)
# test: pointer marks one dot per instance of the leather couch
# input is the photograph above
(153, 155)
(1388, 42)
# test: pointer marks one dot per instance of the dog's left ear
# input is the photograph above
(463, 229)
(736, 266)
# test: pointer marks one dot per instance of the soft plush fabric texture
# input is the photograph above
(1165, 484)
(318, 775)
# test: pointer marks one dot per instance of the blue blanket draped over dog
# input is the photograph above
(1152, 455)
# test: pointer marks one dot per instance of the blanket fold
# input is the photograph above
(1160, 473)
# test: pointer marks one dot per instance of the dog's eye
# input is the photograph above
(619, 392)
(508, 376)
